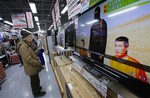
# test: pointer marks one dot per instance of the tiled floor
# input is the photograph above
(17, 84)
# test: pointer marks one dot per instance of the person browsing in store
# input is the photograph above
(32, 65)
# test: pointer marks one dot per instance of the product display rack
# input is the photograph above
(2, 74)
(107, 87)
(70, 82)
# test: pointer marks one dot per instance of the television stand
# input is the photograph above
(93, 71)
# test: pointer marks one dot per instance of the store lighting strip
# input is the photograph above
(91, 22)
(7, 22)
(36, 18)
(33, 7)
(82, 25)
(64, 10)
(50, 27)
(123, 11)
(1, 18)
(38, 23)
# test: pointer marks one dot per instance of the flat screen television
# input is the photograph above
(70, 33)
(61, 36)
(116, 34)
(66, 36)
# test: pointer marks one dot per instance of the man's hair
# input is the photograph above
(123, 39)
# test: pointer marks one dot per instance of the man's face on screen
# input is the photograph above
(120, 49)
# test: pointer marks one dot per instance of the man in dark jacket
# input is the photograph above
(98, 37)
(31, 63)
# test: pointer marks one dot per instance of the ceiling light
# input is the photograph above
(38, 23)
(64, 10)
(82, 25)
(1, 18)
(36, 18)
(24, 29)
(7, 22)
(50, 27)
(33, 7)
(93, 21)
(123, 11)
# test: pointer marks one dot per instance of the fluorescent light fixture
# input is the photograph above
(123, 11)
(91, 22)
(82, 25)
(50, 27)
(36, 18)
(64, 10)
(7, 22)
(24, 29)
(38, 26)
(33, 7)
(1, 18)
(38, 23)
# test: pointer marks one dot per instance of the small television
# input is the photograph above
(53, 34)
(115, 36)
(61, 36)
(70, 33)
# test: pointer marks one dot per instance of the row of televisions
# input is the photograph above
(115, 36)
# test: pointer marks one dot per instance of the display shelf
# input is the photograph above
(107, 87)
(71, 83)
(2, 73)
(59, 83)
(78, 86)
(5, 60)
(67, 52)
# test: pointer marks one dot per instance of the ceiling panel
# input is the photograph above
(44, 8)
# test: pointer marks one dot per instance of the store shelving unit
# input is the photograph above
(2, 74)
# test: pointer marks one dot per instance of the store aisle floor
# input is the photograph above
(17, 84)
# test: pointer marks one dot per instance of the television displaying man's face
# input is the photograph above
(120, 49)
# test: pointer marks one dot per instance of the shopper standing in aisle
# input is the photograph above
(40, 50)
(31, 63)
(17, 50)
(14, 41)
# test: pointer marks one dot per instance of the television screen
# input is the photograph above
(70, 33)
(61, 36)
(53, 34)
(116, 33)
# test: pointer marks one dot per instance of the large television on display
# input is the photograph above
(66, 36)
(115, 36)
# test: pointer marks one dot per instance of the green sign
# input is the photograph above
(116, 4)
(94, 2)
